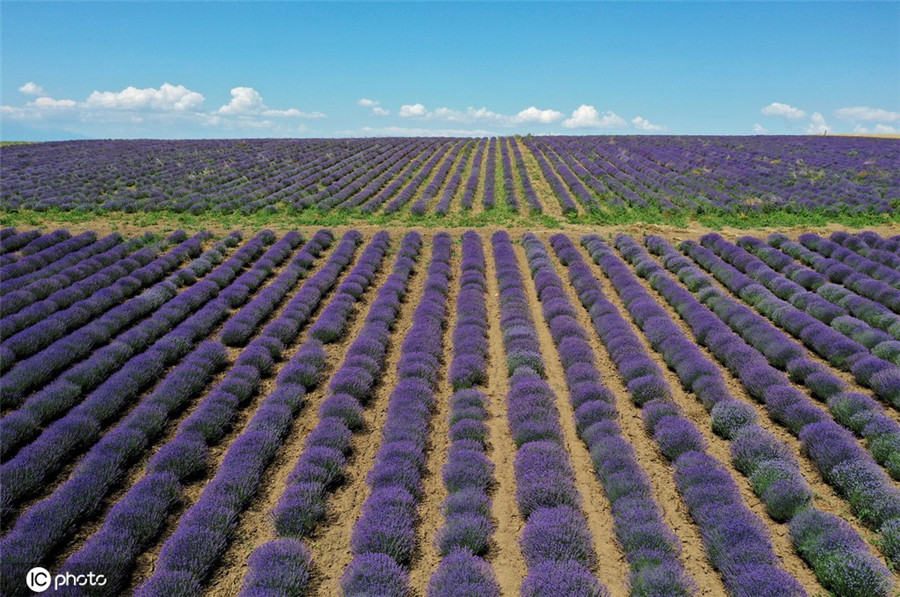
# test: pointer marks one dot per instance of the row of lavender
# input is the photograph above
(107, 430)
(369, 175)
(834, 175)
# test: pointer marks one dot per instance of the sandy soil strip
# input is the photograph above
(191, 492)
(477, 204)
(612, 568)
(330, 543)
(504, 554)
(825, 498)
(425, 559)
(255, 525)
(719, 448)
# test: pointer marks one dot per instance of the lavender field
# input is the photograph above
(592, 179)
(402, 412)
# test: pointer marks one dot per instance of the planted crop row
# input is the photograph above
(282, 566)
(205, 529)
(770, 465)
(383, 537)
(556, 543)
(831, 448)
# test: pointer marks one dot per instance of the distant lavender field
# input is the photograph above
(418, 176)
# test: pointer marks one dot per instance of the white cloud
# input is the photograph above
(878, 129)
(643, 124)
(31, 88)
(760, 129)
(472, 115)
(586, 116)
(50, 103)
(367, 103)
(412, 110)
(176, 98)
(378, 111)
(785, 110)
(817, 125)
(866, 113)
(534, 114)
(246, 101)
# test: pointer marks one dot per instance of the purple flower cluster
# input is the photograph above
(302, 505)
(509, 185)
(13, 240)
(824, 305)
(468, 473)
(706, 487)
(858, 245)
(560, 163)
(387, 524)
(205, 529)
(784, 353)
(650, 546)
(878, 271)
(415, 182)
(474, 175)
(50, 521)
(555, 541)
(826, 443)
(96, 317)
(82, 425)
(842, 273)
(57, 290)
(187, 454)
(874, 313)
(330, 324)
(437, 181)
(238, 330)
(530, 195)
(32, 266)
(828, 342)
(443, 205)
(559, 187)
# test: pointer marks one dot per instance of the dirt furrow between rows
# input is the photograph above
(146, 562)
(330, 542)
(612, 567)
(256, 525)
(504, 553)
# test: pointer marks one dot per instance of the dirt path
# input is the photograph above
(255, 525)
(426, 558)
(612, 568)
(720, 449)
(504, 554)
(330, 543)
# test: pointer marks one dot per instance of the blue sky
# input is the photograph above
(332, 69)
